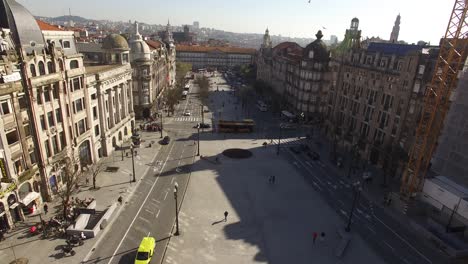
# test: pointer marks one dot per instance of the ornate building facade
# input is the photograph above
(300, 75)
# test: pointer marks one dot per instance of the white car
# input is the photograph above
(187, 114)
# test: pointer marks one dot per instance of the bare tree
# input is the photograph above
(95, 170)
(71, 176)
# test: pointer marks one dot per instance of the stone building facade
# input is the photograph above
(376, 102)
(300, 75)
(217, 57)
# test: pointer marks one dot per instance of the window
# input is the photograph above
(22, 102)
(55, 145)
(76, 84)
(12, 137)
(95, 114)
(27, 130)
(50, 67)
(19, 166)
(41, 68)
(96, 130)
(74, 64)
(79, 105)
(55, 90)
(66, 44)
(311, 54)
(5, 107)
(32, 68)
(43, 124)
(81, 127)
(58, 115)
(421, 69)
(50, 119)
(39, 96)
(47, 148)
(93, 96)
(63, 142)
(46, 95)
(32, 156)
(125, 58)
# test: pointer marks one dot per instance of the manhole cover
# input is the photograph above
(237, 153)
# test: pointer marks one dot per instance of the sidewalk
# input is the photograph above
(110, 185)
(267, 223)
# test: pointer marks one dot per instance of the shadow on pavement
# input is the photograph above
(128, 256)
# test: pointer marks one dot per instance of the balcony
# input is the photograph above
(26, 175)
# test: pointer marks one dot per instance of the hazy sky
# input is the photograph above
(420, 19)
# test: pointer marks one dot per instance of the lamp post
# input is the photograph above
(357, 191)
(161, 125)
(176, 189)
(198, 139)
(133, 163)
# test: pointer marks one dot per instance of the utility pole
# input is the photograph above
(161, 125)
(198, 138)
(357, 191)
(202, 114)
(176, 190)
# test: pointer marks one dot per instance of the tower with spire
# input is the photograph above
(352, 38)
(168, 34)
(266, 40)
(395, 30)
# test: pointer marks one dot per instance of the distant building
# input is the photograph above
(184, 37)
(219, 57)
(196, 25)
(333, 40)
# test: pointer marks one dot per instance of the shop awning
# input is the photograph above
(30, 197)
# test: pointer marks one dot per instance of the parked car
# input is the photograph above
(165, 140)
(145, 250)
(313, 155)
(202, 125)
(187, 113)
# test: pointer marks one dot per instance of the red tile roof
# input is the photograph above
(46, 26)
(188, 48)
(153, 44)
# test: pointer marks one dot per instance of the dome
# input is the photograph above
(115, 41)
(355, 19)
(320, 52)
(139, 50)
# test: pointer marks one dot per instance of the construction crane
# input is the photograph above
(436, 100)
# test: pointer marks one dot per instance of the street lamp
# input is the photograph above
(357, 191)
(176, 190)
(133, 164)
(198, 139)
(161, 126)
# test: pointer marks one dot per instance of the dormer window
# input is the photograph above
(66, 44)
(311, 54)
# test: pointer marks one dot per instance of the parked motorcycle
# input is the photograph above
(67, 249)
(75, 240)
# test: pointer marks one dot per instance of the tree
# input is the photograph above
(172, 97)
(204, 85)
(71, 176)
(95, 169)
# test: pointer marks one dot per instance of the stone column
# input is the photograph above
(117, 91)
(111, 107)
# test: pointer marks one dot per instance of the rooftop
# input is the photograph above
(89, 47)
(153, 44)
(46, 26)
(188, 48)
(393, 48)
(101, 68)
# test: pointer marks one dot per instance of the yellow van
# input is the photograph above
(145, 250)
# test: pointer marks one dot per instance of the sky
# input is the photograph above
(420, 19)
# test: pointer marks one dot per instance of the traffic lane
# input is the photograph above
(157, 213)
(104, 251)
(393, 239)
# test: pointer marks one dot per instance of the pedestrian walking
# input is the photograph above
(87, 181)
(46, 208)
(315, 236)
(225, 215)
(120, 199)
(322, 236)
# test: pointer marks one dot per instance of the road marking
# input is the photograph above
(154, 200)
(144, 219)
(388, 245)
(165, 196)
(141, 206)
(317, 186)
(402, 239)
(343, 212)
(172, 180)
(157, 215)
(149, 211)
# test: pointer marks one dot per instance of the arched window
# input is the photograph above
(41, 68)
(50, 67)
(73, 64)
(32, 67)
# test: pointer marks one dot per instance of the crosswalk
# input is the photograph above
(290, 141)
(187, 119)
